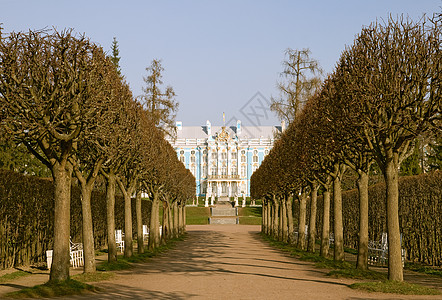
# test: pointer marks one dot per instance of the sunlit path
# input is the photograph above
(228, 262)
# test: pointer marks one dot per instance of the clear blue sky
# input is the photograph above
(217, 54)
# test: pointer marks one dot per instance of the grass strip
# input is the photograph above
(250, 220)
(14, 275)
(416, 267)
(357, 274)
(53, 289)
(348, 270)
(338, 268)
(395, 287)
(94, 277)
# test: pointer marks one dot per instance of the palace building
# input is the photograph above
(222, 158)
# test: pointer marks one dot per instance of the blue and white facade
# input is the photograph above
(222, 158)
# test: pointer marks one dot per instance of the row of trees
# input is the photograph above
(384, 93)
(64, 99)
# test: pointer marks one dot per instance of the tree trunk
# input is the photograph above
(291, 228)
(264, 217)
(140, 237)
(181, 219)
(275, 219)
(128, 240)
(395, 271)
(88, 231)
(269, 218)
(338, 229)
(302, 219)
(62, 174)
(284, 221)
(312, 224)
(325, 235)
(184, 218)
(170, 219)
(272, 219)
(280, 231)
(154, 239)
(110, 217)
(165, 223)
(176, 223)
(362, 260)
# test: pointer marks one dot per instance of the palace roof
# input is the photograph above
(247, 132)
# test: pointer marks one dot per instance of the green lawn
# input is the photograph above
(197, 215)
(200, 215)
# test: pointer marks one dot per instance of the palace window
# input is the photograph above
(243, 171)
(234, 155)
(266, 152)
(204, 171)
(213, 155)
(255, 156)
(224, 171)
(182, 159)
(243, 158)
(234, 170)
(192, 158)
(223, 155)
(214, 170)
(193, 170)
(254, 168)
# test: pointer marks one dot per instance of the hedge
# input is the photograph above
(420, 216)
(27, 214)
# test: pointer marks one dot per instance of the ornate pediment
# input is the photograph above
(223, 135)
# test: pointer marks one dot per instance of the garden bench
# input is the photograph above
(378, 251)
(119, 239)
(145, 232)
(75, 253)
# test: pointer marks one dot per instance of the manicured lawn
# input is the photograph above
(197, 215)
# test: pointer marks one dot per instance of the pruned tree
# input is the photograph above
(47, 84)
(92, 149)
(300, 80)
(392, 78)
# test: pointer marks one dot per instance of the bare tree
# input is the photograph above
(160, 104)
(300, 80)
(47, 83)
(392, 77)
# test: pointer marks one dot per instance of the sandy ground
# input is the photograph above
(224, 262)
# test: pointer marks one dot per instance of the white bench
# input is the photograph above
(378, 251)
(145, 233)
(75, 253)
(119, 239)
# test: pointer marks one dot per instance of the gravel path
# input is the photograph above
(228, 262)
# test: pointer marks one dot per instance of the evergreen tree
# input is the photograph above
(160, 104)
(115, 58)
